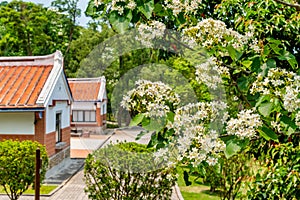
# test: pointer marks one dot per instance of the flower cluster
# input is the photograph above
(281, 84)
(210, 73)
(291, 100)
(245, 125)
(118, 5)
(195, 140)
(178, 6)
(148, 33)
(210, 32)
(151, 98)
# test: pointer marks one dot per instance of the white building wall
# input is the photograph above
(20, 123)
(83, 106)
(60, 107)
(61, 98)
(60, 90)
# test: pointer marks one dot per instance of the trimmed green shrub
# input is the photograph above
(127, 171)
(17, 166)
(279, 177)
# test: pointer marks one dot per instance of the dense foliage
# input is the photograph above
(30, 29)
(127, 171)
(250, 52)
(279, 176)
(17, 166)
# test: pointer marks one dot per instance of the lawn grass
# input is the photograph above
(196, 190)
(45, 189)
(198, 196)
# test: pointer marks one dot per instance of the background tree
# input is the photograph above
(80, 48)
(30, 29)
(23, 26)
(71, 10)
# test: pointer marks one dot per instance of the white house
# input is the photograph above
(35, 102)
(90, 103)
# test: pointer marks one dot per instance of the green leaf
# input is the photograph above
(90, 10)
(147, 8)
(159, 10)
(275, 48)
(255, 66)
(137, 119)
(271, 63)
(120, 23)
(274, 41)
(247, 63)
(288, 57)
(93, 11)
(154, 125)
(289, 124)
(262, 99)
(236, 71)
(243, 83)
(233, 53)
(232, 148)
(265, 109)
(268, 134)
(170, 116)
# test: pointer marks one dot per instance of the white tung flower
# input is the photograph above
(209, 73)
(245, 125)
(151, 98)
(131, 5)
(281, 83)
(147, 34)
(211, 161)
(97, 2)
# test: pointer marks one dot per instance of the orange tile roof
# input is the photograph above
(20, 86)
(85, 90)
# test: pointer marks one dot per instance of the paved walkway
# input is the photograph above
(73, 188)
(81, 146)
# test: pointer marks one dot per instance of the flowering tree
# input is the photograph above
(252, 57)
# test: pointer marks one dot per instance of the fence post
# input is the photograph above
(37, 173)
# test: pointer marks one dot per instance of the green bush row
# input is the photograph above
(127, 171)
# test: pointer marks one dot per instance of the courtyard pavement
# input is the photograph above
(70, 176)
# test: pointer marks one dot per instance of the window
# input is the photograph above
(58, 127)
(84, 116)
(103, 109)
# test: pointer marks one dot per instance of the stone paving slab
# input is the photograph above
(128, 135)
(81, 147)
(91, 143)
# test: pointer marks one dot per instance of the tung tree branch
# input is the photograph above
(297, 6)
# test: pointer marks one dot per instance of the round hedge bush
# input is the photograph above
(127, 171)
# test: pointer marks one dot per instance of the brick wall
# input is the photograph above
(98, 117)
(66, 135)
(40, 127)
(17, 137)
(51, 141)
(59, 157)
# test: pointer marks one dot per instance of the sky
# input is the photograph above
(82, 5)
